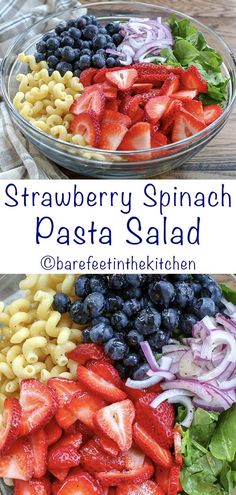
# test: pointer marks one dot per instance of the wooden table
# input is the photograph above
(218, 159)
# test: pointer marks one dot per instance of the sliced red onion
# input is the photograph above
(187, 367)
(185, 401)
(231, 308)
(190, 385)
(228, 384)
(165, 363)
(203, 328)
(172, 348)
(147, 351)
(216, 372)
(227, 323)
(175, 356)
(153, 380)
(227, 374)
(207, 406)
(168, 394)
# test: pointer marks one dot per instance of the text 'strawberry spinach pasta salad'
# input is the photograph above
(123, 86)
(119, 385)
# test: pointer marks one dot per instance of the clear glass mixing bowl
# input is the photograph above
(114, 164)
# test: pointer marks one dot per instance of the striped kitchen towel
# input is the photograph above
(18, 158)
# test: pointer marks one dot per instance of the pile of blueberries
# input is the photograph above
(123, 310)
(79, 44)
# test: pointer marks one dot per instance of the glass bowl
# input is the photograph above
(107, 164)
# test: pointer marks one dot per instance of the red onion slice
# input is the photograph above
(191, 386)
(147, 351)
(168, 394)
(185, 401)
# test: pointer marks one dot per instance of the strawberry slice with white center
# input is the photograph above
(38, 403)
(64, 388)
(116, 421)
(53, 432)
(11, 421)
(192, 79)
(156, 107)
(134, 458)
(170, 86)
(211, 113)
(158, 454)
(123, 79)
(146, 488)
(84, 406)
(195, 107)
(39, 449)
(110, 116)
(32, 487)
(137, 138)
(87, 125)
(82, 484)
(18, 462)
(185, 125)
(185, 94)
(63, 457)
(112, 134)
(91, 99)
(136, 475)
(95, 383)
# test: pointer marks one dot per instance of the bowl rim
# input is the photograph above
(172, 146)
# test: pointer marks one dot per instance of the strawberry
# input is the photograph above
(185, 125)
(111, 135)
(195, 108)
(211, 113)
(86, 432)
(146, 488)
(157, 422)
(84, 406)
(112, 105)
(106, 370)
(147, 69)
(110, 116)
(62, 457)
(158, 454)
(178, 446)
(157, 138)
(134, 458)
(123, 79)
(18, 462)
(100, 77)
(87, 125)
(132, 393)
(156, 107)
(185, 94)
(39, 449)
(116, 421)
(94, 383)
(95, 460)
(38, 403)
(131, 107)
(70, 440)
(137, 138)
(91, 99)
(57, 484)
(192, 79)
(11, 422)
(60, 474)
(85, 352)
(171, 85)
(147, 96)
(174, 478)
(162, 478)
(107, 444)
(154, 79)
(52, 431)
(32, 487)
(167, 121)
(81, 484)
(65, 390)
(64, 417)
(109, 91)
(87, 75)
(138, 475)
(141, 88)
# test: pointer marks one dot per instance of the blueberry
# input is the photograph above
(184, 294)
(111, 45)
(148, 321)
(85, 51)
(86, 44)
(77, 313)
(115, 349)
(204, 307)
(187, 321)
(117, 282)
(74, 33)
(111, 62)
(180, 278)
(60, 27)
(46, 36)
(50, 72)
(49, 53)
(53, 43)
(159, 339)
(131, 307)
(39, 57)
(84, 62)
(100, 333)
(102, 30)
(82, 286)
(81, 22)
(204, 280)
(61, 302)
(52, 61)
(78, 44)
(132, 293)
(58, 52)
(136, 280)
(63, 67)
(94, 304)
(71, 23)
(131, 361)
(114, 303)
(98, 284)
(113, 27)
(170, 318)
(41, 47)
(86, 335)
(68, 54)
(102, 52)
(117, 39)
(77, 72)
(89, 32)
(162, 293)
(98, 61)
(99, 41)
(134, 338)
(196, 286)
(76, 65)
(77, 53)
(108, 38)
(67, 41)
(100, 319)
(213, 291)
(141, 372)
(119, 320)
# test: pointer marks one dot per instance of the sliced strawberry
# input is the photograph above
(101, 74)
(185, 94)
(175, 70)
(86, 432)
(158, 454)
(178, 446)
(52, 431)
(11, 423)
(106, 370)
(62, 457)
(109, 91)
(112, 105)
(157, 422)
(107, 444)
(64, 388)
(134, 458)
(156, 107)
(146, 488)
(147, 96)
(138, 475)
(138, 138)
(111, 135)
(60, 474)
(56, 485)
(174, 478)
(95, 460)
(167, 121)
(91, 99)
(185, 125)
(141, 88)
(38, 403)
(147, 69)
(18, 462)
(192, 79)
(82, 484)
(171, 85)
(85, 352)
(157, 138)
(162, 478)
(123, 79)
(39, 449)
(87, 75)
(64, 417)
(211, 113)
(116, 421)
(32, 487)
(195, 108)
(84, 406)
(110, 116)
(133, 394)
(87, 125)
(94, 383)
(70, 440)
(131, 107)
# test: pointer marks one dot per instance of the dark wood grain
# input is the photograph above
(217, 159)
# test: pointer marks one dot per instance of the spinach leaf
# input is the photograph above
(230, 294)
(203, 426)
(223, 442)
(228, 478)
(170, 57)
(195, 484)
(185, 52)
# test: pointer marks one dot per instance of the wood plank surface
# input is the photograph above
(218, 158)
